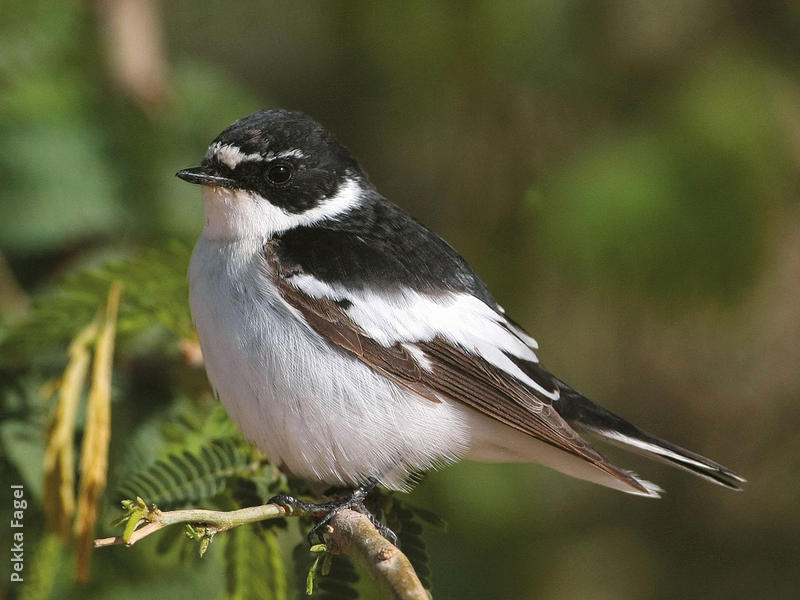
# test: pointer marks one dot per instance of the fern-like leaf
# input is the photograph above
(190, 477)
(253, 565)
(404, 521)
(155, 292)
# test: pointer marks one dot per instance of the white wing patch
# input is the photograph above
(408, 317)
(419, 356)
(532, 343)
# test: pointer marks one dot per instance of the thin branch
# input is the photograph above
(349, 532)
(214, 521)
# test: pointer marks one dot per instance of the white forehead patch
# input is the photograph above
(230, 155)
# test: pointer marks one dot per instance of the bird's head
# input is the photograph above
(272, 171)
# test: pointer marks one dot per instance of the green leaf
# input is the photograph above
(312, 574)
(22, 443)
(326, 576)
(253, 565)
(154, 294)
(429, 517)
(402, 519)
(191, 477)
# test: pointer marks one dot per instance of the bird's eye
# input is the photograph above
(280, 173)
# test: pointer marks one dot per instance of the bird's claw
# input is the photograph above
(328, 510)
(291, 503)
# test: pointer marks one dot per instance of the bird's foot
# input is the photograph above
(354, 500)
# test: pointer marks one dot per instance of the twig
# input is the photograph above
(349, 532)
(215, 521)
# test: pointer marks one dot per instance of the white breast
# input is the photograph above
(311, 407)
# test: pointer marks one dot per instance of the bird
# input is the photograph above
(357, 348)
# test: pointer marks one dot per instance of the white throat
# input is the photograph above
(238, 214)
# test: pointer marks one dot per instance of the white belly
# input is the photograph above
(310, 406)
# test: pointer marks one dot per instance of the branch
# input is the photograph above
(353, 534)
(349, 532)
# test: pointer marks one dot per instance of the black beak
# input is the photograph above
(204, 176)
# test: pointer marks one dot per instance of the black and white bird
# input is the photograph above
(354, 346)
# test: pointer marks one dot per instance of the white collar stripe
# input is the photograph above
(236, 214)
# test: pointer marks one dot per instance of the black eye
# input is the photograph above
(280, 173)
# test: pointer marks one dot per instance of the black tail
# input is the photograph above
(581, 413)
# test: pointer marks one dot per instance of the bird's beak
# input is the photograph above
(204, 176)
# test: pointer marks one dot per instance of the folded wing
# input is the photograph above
(449, 345)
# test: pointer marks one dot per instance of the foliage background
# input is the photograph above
(624, 175)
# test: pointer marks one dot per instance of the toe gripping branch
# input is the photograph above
(354, 500)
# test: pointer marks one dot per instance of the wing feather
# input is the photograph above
(450, 370)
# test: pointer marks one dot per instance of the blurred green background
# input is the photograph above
(624, 175)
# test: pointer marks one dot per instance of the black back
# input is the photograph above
(381, 246)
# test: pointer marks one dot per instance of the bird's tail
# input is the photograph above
(583, 414)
